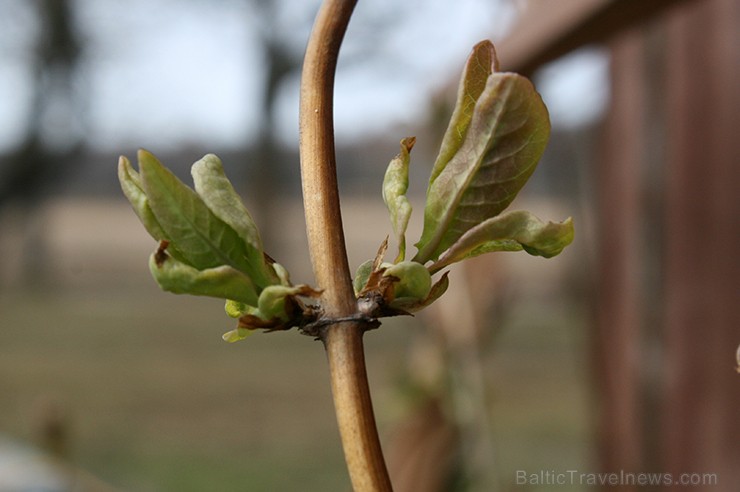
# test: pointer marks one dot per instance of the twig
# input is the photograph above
(343, 341)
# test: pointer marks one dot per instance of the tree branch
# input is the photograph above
(318, 163)
(343, 341)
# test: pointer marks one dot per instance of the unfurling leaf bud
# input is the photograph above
(210, 246)
(414, 280)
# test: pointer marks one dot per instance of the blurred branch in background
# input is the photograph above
(446, 442)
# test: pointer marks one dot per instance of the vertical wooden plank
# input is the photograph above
(701, 413)
(619, 305)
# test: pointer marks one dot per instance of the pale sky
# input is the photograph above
(164, 73)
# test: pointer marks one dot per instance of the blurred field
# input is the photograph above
(154, 400)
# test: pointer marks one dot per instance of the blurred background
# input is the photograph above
(617, 355)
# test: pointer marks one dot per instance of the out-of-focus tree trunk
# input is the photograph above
(447, 440)
(54, 133)
(265, 181)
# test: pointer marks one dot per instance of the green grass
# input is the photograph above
(155, 399)
(541, 404)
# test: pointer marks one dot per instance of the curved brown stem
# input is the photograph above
(343, 341)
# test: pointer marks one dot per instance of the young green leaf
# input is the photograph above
(275, 302)
(395, 184)
(220, 197)
(237, 334)
(282, 274)
(511, 231)
(502, 144)
(223, 282)
(272, 303)
(413, 304)
(237, 309)
(481, 63)
(414, 280)
(204, 240)
(133, 190)
(362, 274)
